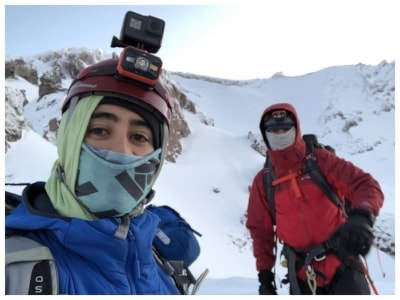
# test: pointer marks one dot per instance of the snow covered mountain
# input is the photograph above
(216, 149)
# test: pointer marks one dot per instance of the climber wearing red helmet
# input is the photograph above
(90, 213)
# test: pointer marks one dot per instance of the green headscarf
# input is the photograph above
(70, 136)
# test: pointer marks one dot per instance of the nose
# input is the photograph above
(280, 131)
(121, 144)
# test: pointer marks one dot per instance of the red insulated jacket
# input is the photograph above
(305, 217)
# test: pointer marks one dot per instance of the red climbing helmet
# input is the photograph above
(103, 79)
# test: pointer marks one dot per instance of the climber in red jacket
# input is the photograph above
(306, 219)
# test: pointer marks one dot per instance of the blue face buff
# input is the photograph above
(112, 184)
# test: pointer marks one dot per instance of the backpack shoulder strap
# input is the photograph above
(269, 176)
(11, 200)
(311, 167)
(178, 271)
(30, 268)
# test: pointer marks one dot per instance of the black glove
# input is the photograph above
(267, 283)
(355, 236)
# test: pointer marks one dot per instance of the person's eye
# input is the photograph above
(97, 131)
(140, 138)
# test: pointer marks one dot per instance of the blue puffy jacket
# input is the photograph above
(94, 257)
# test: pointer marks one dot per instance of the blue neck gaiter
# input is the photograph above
(112, 184)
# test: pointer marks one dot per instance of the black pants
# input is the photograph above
(348, 280)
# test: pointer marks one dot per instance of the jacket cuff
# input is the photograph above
(364, 213)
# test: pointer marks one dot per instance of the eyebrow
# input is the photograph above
(115, 118)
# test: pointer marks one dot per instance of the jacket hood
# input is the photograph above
(291, 157)
(280, 106)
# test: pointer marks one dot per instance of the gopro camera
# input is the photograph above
(140, 36)
(143, 32)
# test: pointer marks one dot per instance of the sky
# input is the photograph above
(219, 157)
(224, 39)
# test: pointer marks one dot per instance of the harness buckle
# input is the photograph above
(321, 251)
(320, 257)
